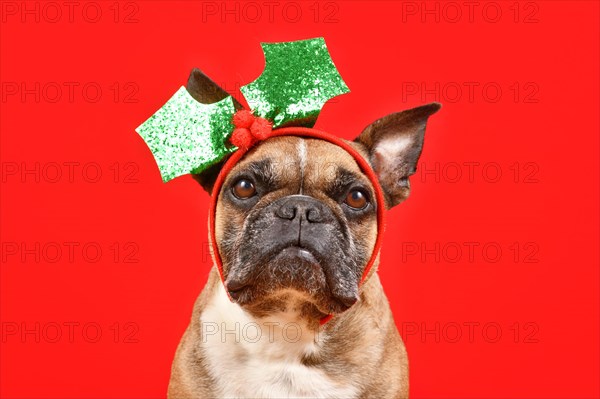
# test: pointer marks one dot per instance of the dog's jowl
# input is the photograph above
(295, 225)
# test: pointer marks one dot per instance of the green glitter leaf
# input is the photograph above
(186, 136)
(298, 79)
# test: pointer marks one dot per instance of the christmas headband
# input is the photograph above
(188, 137)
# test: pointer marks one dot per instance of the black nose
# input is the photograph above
(303, 207)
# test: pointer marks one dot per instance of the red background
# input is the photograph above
(532, 116)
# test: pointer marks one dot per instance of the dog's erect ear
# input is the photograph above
(394, 144)
(205, 91)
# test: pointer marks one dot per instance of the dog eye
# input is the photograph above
(357, 199)
(244, 189)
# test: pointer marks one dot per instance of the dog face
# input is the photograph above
(296, 215)
(296, 218)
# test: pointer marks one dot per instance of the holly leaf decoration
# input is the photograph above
(186, 136)
(298, 79)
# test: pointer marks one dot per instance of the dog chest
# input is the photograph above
(251, 358)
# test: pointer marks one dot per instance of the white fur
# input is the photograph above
(302, 158)
(246, 365)
(390, 147)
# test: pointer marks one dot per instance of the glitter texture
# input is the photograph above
(298, 79)
(186, 136)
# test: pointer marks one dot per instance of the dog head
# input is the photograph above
(296, 217)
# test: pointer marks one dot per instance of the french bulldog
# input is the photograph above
(295, 225)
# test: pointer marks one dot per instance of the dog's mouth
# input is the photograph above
(299, 258)
(301, 253)
(292, 268)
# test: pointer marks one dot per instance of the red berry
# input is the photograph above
(243, 118)
(261, 128)
(241, 138)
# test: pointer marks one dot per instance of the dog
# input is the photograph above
(295, 225)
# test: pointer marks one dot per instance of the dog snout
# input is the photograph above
(303, 207)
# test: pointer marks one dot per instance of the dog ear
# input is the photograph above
(208, 177)
(205, 91)
(394, 145)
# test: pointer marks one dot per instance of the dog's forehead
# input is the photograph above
(297, 155)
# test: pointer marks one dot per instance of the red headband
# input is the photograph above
(300, 132)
